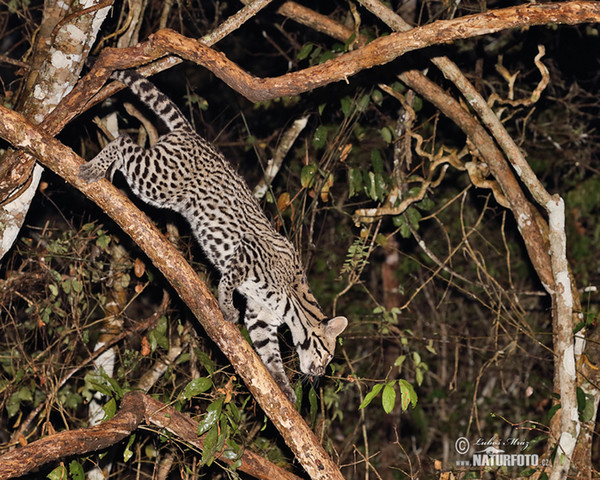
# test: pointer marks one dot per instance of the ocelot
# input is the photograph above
(185, 173)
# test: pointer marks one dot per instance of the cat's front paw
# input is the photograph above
(230, 313)
(90, 172)
(290, 394)
(285, 386)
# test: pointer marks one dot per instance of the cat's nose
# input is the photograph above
(316, 370)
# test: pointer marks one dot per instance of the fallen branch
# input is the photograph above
(136, 408)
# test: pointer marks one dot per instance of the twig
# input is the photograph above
(274, 163)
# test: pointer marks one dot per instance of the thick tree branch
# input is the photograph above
(22, 134)
(378, 52)
(15, 170)
(552, 269)
(136, 408)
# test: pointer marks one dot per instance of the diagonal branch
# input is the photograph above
(18, 131)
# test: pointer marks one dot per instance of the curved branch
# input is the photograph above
(378, 52)
(22, 134)
(135, 408)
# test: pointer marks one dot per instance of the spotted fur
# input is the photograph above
(185, 173)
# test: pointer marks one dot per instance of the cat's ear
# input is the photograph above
(336, 325)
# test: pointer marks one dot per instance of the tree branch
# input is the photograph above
(538, 237)
(135, 408)
(380, 51)
(22, 134)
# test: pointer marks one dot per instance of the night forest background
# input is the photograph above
(450, 328)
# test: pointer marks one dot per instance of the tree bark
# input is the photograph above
(57, 63)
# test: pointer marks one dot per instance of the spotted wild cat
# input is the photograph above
(185, 173)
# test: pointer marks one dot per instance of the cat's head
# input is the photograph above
(318, 347)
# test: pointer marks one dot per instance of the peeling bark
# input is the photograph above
(65, 38)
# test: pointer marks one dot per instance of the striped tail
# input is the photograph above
(158, 102)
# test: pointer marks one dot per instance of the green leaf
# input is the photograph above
(413, 217)
(587, 412)
(388, 397)
(370, 190)
(416, 358)
(419, 376)
(213, 412)
(320, 136)
(355, 181)
(400, 222)
(426, 203)
(553, 410)
(205, 361)
(417, 104)
(103, 241)
(304, 51)
(77, 285)
(375, 186)
(377, 161)
(157, 335)
(327, 55)
(233, 414)
(528, 472)
(346, 103)
(399, 361)
(110, 408)
(371, 395)
(233, 450)
(114, 385)
(25, 394)
(210, 445)
(128, 453)
(312, 400)
(76, 470)
(386, 134)
(399, 87)
(377, 96)
(298, 390)
(59, 473)
(363, 102)
(380, 186)
(196, 387)
(307, 176)
(407, 394)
